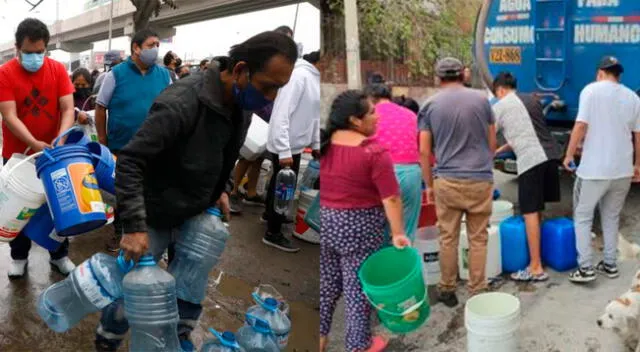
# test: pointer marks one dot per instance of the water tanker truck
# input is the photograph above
(553, 48)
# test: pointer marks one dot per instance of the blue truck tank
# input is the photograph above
(553, 47)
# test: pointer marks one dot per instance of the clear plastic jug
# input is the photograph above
(92, 285)
(151, 308)
(198, 248)
(268, 311)
(225, 342)
(256, 336)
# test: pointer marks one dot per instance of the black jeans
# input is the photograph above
(275, 220)
(21, 245)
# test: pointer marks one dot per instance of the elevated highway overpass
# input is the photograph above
(77, 33)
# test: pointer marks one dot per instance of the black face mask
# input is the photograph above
(82, 93)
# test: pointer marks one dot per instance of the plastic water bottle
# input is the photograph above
(198, 248)
(225, 342)
(310, 176)
(285, 188)
(92, 285)
(151, 308)
(265, 291)
(268, 311)
(257, 336)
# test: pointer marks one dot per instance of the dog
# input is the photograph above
(622, 317)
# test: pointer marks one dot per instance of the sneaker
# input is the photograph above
(64, 265)
(113, 244)
(255, 200)
(608, 270)
(449, 299)
(586, 274)
(235, 204)
(279, 241)
(17, 269)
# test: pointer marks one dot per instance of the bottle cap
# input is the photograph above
(214, 211)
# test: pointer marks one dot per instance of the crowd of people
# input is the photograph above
(377, 151)
(176, 135)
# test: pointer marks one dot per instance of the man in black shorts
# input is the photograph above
(521, 120)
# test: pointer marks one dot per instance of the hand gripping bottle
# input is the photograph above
(256, 336)
(225, 342)
(285, 189)
(151, 307)
(91, 286)
(200, 244)
(268, 311)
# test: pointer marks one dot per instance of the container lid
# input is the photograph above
(146, 260)
(227, 338)
(271, 303)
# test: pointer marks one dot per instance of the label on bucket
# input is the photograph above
(8, 233)
(85, 185)
(88, 284)
(64, 190)
(26, 213)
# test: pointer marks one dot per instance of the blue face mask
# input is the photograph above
(250, 98)
(32, 62)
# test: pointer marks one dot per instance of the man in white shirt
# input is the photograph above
(608, 117)
(294, 125)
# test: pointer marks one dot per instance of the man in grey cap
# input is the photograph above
(608, 117)
(458, 124)
(111, 59)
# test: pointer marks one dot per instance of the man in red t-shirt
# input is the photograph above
(36, 102)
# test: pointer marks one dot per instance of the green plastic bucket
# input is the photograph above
(392, 281)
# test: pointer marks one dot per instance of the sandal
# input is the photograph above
(378, 344)
(526, 275)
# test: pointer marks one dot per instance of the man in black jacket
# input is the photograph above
(179, 162)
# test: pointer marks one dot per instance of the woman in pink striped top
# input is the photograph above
(398, 133)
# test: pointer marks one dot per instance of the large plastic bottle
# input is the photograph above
(310, 176)
(198, 248)
(285, 189)
(92, 285)
(268, 311)
(225, 342)
(257, 336)
(151, 308)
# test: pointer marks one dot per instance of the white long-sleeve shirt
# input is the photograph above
(295, 119)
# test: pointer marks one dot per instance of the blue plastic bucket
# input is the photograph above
(71, 188)
(40, 230)
(105, 165)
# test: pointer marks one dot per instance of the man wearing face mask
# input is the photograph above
(171, 63)
(36, 101)
(179, 162)
(111, 59)
(139, 81)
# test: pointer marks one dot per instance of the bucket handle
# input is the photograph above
(65, 133)
(406, 311)
(25, 160)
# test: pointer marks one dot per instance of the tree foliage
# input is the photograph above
(147, 8)
(415, 32)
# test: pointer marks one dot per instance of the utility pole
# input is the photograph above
(353, 44)
(110, 24)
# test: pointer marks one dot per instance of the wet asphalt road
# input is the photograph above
(246, 263)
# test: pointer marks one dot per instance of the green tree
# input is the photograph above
(147, 8)
(415, 32)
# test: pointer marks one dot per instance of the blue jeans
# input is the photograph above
(114, 326)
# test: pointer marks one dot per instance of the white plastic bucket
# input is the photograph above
(256, 142)
(302, 230)
(21, 194)
(427, 245)
(502, 210)
(492, 321)
(493, 265)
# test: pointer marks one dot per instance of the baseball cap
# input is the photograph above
(610, 62)
(111, 56)
(449, 67)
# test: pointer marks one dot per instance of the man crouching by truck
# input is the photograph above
(521, 120)
(178, 163)
(608, 116)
